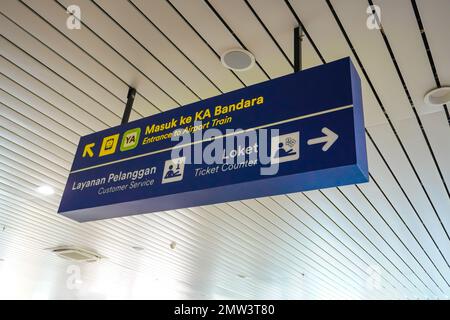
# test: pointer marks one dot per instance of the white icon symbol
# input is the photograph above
(285, 148)
(328, 139)
(373, 280)
(73, 281)
(74, 20)
(173, 170)
(374, 18)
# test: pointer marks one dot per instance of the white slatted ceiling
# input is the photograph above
(58, 84)
(198, 15)
(407, 44)
(394, 98)
(434, 19)
(325, 33)
(131, 19)
(274, 14)
(247, 28)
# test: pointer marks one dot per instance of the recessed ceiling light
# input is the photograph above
(137, 248)
(438, 96)
(173, 245)
(242, 276)
(238, 59)
(46, 190)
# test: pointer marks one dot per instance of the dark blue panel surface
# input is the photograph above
(301, 106)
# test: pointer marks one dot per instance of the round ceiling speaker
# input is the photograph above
(238, 59)
(438, 97)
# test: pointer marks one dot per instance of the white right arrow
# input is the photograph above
(329, 139)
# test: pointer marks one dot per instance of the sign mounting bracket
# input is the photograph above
(129, 106)
(298, 39)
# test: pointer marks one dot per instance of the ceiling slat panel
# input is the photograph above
(87, 240)
(50, 95)
(438, 131)
(105, 245)
(355, 277)
(406, 176)
(129, 49)
(400, 26)
(434, 16)
(308, 215)
(17, 134)
(370, 47)
(213, 31)
(406, 210)
(92, 239)
(28, 180)
(395, 265)
(403, 259)
(56, 72)
(242, 250)
(240, 19)
(305, 202)
(30, 98)
(270, 244)
(192, 226)
(22, 171)
(281, 23)
(331, 44)
(288, 239)
(315, 261)
(178, 31)
(434, 186)
(376, 258)
(405, 231)
(31, 125)
(30, 155)
(55, 14)
(319, 220)
(44, 121)
(62, 46)
(133, 21)
(372, 50)
(28, 228)
(11, 156)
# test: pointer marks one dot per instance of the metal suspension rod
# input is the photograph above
(298, 38)
(129, 106)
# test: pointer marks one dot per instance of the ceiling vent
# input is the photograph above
(76, 254)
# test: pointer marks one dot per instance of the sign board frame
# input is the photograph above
(318, 110)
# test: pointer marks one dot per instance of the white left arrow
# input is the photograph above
(329, 139)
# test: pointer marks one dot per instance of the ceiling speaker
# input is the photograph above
(438, 96)
(238, 59)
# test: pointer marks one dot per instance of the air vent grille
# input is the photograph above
(76, 254)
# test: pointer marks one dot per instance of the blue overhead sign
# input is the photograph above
(300, 132)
